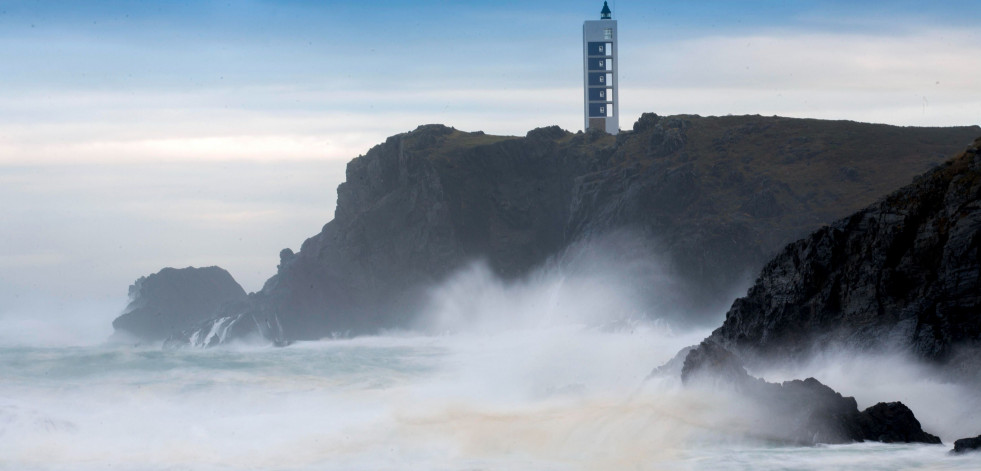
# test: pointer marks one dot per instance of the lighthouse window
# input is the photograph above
(608, 33)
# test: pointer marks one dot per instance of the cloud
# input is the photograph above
(917, 78)
(816, 61)
(31, 259)
(262, 123)
(89, 230)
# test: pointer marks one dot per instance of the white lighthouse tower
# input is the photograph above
(599, 52)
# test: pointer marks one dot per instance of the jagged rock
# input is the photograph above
(673, 367)
(172, 300)
(712, 358)
(547, 133)
(904, 273)
(803, 412)
(893, 422)
(646, 121)
(237, 322)
(424, 204)
(965, 445)
(285, 257)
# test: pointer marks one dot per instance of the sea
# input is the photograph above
(552, 396)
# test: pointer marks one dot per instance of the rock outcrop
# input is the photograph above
(713, 197)
(903, 274)
(965, 445)
(237, 321)
(801, 412)
(173, 300)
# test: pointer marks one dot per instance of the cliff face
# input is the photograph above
(172, 300)
(413, 210)
(715, 196)
(904, 273)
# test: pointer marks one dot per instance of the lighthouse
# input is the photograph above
(599, 52)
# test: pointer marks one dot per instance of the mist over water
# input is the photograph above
(57, 323)
(552, 398)
(607, 282)
(948, 409)
(398, 402)
(546, 373)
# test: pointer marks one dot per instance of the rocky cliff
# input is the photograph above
(172, 300)
(902, 274)
(714, 197)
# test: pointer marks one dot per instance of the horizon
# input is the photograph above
(137, 136)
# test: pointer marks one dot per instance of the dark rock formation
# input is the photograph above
(714, 197)
(235, 321)
(802, 412)
(673, 367)
(173, 300)
(965, 445)
(904, 273)
(715, 360)
(892, 422)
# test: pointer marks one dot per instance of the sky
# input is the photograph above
(137, 135)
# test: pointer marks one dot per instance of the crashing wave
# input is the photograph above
(222, 330)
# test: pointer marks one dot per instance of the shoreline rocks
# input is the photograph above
(801, 412)
(172, 300)
(965, 445)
